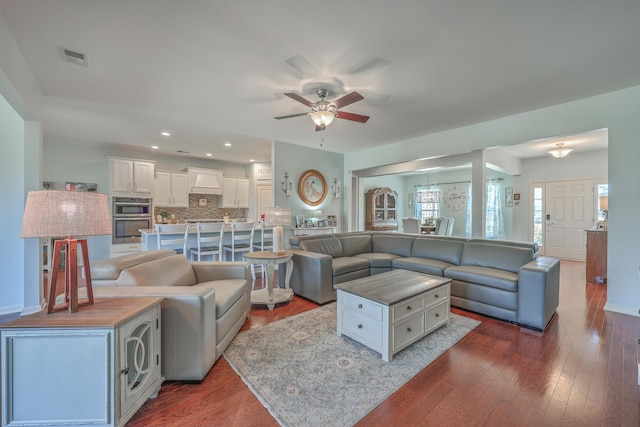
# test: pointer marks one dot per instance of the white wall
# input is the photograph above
(615, 111)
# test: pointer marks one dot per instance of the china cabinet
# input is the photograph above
(380, 209)
(94, 367)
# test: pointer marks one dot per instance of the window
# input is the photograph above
(427, 204)
(495, 220)
(537, 215)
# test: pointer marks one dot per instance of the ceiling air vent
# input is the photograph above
(74, 57)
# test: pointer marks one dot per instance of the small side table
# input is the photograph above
(269, 295)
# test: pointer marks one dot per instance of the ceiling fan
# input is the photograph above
(323, 112)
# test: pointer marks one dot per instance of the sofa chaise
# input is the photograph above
(205, 304)
(501, 279)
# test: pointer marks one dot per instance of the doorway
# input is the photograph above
(264, 198)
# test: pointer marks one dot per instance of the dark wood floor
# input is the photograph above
(582, 370)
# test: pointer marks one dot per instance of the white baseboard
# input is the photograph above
(10, 309)
(30, 310)
(623, 309)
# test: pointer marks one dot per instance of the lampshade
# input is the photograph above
(322, 118)
(604, 203)
(50, 213)
(278, 216)
(560, 151)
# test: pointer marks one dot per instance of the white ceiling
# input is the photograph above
(211, 72)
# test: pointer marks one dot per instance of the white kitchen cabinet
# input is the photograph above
(131, 178)
(171, 189)
(94, 367)
(235, 193)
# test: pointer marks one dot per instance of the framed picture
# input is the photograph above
(322, 223)
(332, 221)
(299, 221)
(312, 187)
(81, 186)
(410, 200)
(308, 223)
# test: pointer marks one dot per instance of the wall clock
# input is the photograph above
(312, 187)
(454, 198)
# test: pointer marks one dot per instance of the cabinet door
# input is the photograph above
(180, 190)
(121, 175)
(139, 359)
(229, 193)
(143, 177)
(162, 189)
(242, 193)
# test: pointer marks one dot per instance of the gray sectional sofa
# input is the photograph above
(502, 279)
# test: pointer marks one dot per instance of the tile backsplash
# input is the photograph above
(211, 210)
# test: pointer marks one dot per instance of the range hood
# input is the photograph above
(205, 181)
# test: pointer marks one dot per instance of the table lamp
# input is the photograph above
(50, 213)
(278, 217)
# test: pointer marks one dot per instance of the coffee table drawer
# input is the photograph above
(363, 306)
(363, 328)
(437, 316)
(436, 296)
(407, 308)
(408, 331)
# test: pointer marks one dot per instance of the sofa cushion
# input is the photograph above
(503, 257)
(449, 251)
(109, 269)
(329, 246)
(173, 270)
(346, 264)
(396, 244)
(377, 260)
(227, 293)
(355, 244)
(422, 265)
(493, 277)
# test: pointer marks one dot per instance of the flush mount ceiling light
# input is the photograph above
(560, 151)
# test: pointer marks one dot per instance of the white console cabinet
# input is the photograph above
(94, 367)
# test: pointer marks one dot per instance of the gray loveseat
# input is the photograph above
(502, 279)
(205, 304)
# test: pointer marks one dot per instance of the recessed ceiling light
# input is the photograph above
(227, 144)
(165, 134)
(209, 154)
(155, 147)
(251, 160)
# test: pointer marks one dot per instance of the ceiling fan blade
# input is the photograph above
(348, 99)
(353, 117)
(300, 99)
(370, 66)
(302, 66)
(291, 115)
(323, 127)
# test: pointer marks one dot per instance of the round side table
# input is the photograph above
(269, 295)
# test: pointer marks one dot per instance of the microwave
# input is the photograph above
(127, 229)
(128, 206)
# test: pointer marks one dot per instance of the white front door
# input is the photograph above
(569, 212)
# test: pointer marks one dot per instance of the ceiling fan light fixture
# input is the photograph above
(560, 152)
(322, 117)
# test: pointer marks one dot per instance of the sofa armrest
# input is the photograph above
(538, 292)
(312, 276)
(209, 271)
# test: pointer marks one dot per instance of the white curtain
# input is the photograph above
(495, 203)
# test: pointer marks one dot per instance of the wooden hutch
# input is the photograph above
(380, 209)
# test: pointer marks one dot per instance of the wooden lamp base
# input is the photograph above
(70, 245)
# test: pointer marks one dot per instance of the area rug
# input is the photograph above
(306, 375)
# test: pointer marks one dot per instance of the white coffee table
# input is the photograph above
(270, 295)
(389, 311)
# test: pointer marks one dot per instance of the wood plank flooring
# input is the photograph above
(581, 371)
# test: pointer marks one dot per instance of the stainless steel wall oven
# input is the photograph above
(129, 215)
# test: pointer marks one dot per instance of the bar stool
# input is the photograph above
(265, 244)
(240, 240)
(171, 235)
(209, 241)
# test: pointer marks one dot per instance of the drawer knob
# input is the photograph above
(408, 329)
(437, 296)
(408, 307)
(437, 314)
(359, 325)
(125, 371)
(359, 305)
